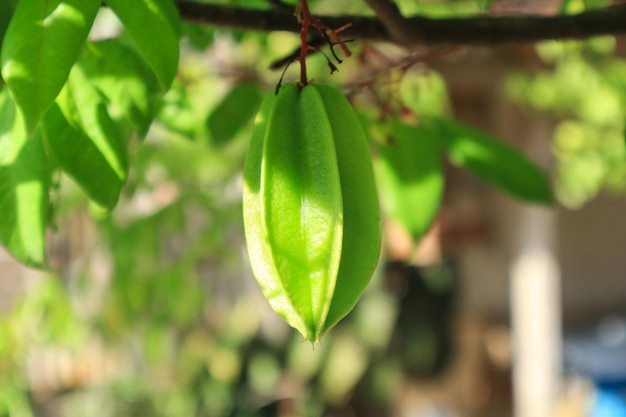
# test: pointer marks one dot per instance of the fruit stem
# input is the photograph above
(304, 16)
(306, 20)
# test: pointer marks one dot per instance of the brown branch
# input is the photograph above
(389, 15)
(422, 30)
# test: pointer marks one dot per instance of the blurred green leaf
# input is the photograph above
(596, 4)
(234, 112)
(6, 12)
(40, 46)
(88, 107)
(122, 77)
(23, 187)
(81, 159)
(411, 176)
(424, 93)
(485, 5)
(571, 6)
(344, 366)
(588, 157)
(200, 36)
(14, 402)
(178, 113)
(586, 89)
(264, 373)
(153, 27)
(495, 162)
(46, 315)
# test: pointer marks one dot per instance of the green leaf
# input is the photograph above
(23, 187)
(177, 112)
(152, 26)
(170, 11)
(87, 105)
(411, 177)
(199, 36)
(40, 46)
(234, 112)
(484, 5)
(81, 158)
(496, 163)
(571, 6)
(6, 12)
(121, 76)
(425, 94)
(596, 4)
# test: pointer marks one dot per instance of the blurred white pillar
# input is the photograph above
(536, 315)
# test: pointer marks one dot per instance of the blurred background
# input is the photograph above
(502, 309)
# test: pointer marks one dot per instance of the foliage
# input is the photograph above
(585, 87)
(152, 146)
(64, 89)
(89, 102)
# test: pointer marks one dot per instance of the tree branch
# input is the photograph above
(391, 18)
(422, 30)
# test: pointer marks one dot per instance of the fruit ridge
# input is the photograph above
(311, 211)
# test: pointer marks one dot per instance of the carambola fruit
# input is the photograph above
(311, 211)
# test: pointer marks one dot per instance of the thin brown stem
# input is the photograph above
(306, 20)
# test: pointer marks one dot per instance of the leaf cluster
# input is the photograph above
(73, 104)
